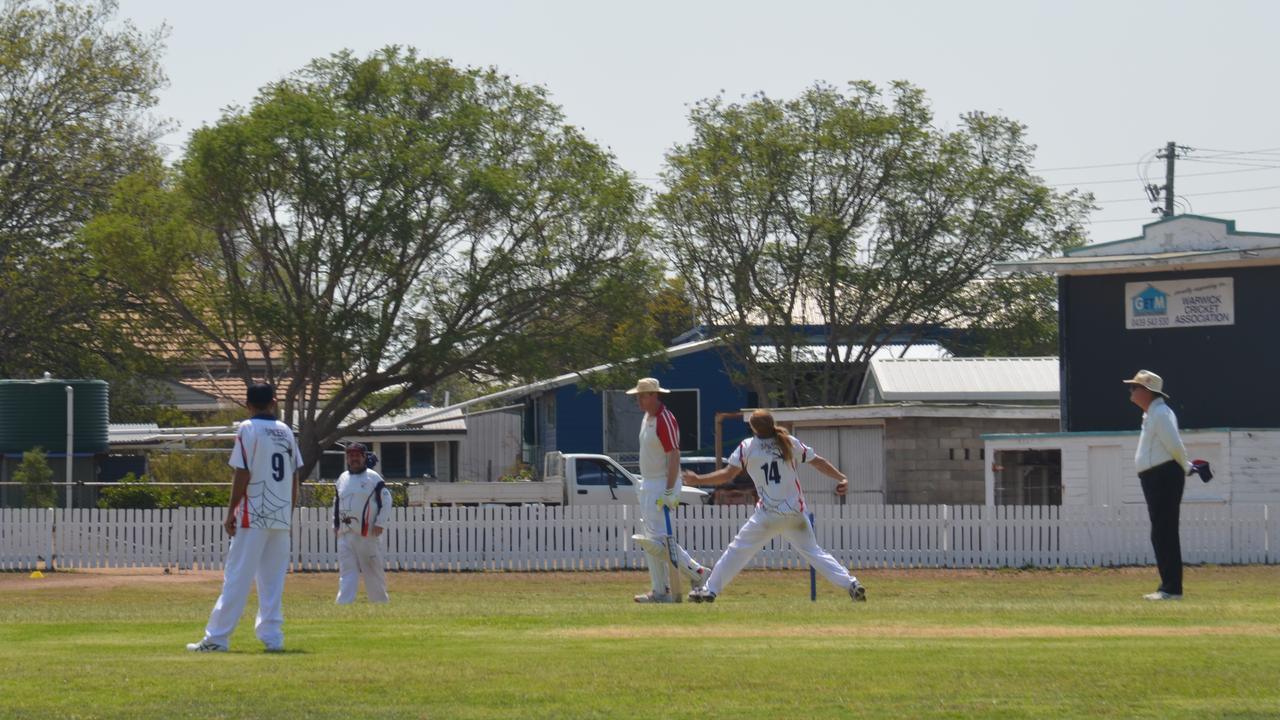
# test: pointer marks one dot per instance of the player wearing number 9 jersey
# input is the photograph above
(266, 448)
(264, 492)
(771, 457)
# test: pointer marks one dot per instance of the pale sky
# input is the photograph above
(1099, 83)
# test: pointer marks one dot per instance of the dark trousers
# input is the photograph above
(1162, 486)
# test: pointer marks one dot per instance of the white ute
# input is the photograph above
(568, 479)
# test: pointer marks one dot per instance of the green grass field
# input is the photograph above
(927, 644)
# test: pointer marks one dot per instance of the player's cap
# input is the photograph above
(647, 385)
(260, 394)
(355, 448)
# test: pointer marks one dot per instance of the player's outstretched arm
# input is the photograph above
(821, 464)
(717, 477)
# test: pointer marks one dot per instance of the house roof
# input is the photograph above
(151, 435)
(821, 415)
(1182, 241)
(1000, 379)
(435, 419)
(552, 383)
(445, 423)
(229, 391)
(817, 353)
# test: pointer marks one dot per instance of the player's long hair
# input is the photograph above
(763, 426)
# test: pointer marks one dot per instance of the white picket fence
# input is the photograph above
(598, 537)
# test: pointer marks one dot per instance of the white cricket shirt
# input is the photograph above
(776, 480)
(659, 435)
(361, 502)
(1159, 441)
(267, 449)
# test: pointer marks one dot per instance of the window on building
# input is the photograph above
(333, 462)
(1028, 477)
(622, 420)
(422, 459)
(391, 461)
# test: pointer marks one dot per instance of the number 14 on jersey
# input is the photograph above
(771, 474)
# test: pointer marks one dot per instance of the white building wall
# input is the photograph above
(493, 445)
(1246, 465)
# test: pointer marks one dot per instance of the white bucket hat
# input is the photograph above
(646, 385)
(1150, 381)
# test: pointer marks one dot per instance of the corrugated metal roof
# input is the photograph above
(433, 419)
(817, 353)
(552, 383)
(150, 434)
(1166, 244)
(966, 379)
(1068, 265)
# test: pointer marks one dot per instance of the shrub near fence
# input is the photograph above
(598, 537)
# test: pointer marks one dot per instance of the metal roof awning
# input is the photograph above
(1070, 265)
(985, 379)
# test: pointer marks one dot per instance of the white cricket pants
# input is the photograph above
(763, 527)
(360, 557)
(260, 557)
(655, 526)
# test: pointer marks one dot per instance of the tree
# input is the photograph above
(672, 310)
(838, 210)
(393, 221)
(1023, 320)
(37, 480)
(75, 90)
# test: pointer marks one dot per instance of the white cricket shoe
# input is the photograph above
(206, 646)
(701, 594)
(651, 597)
(1161, 595)
(857, 592)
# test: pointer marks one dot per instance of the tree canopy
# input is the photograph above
(392, 221)
(851, 210)
(76, 87)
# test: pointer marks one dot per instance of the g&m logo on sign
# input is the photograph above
(1179, 303)
(1150, 302)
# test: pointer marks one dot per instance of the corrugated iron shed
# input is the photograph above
(1002, 379)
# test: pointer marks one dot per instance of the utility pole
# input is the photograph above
(1169, 154)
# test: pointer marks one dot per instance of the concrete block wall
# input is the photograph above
(926, 463)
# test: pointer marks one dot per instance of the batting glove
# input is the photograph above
(1201, 468)
(669, 498)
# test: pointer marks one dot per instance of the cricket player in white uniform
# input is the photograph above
(361, 509)
(660, 487)
(771, 456)
(263, 494)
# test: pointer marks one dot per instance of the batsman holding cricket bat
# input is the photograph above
(659, 494)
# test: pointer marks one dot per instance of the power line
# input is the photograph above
(1081, 167)
(1240, 163)
(1199, 194)
(1226, 153)
(1203, 174)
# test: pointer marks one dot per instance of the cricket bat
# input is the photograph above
(675, 579)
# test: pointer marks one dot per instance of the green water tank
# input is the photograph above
(33, 413)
